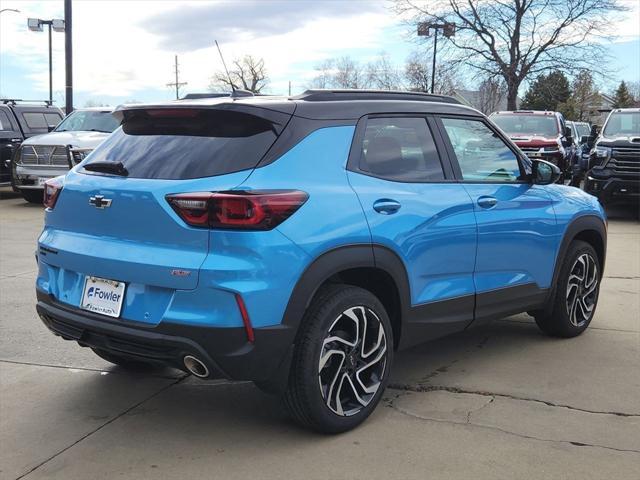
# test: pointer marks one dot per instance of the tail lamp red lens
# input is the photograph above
(242, 210)
(52, 189)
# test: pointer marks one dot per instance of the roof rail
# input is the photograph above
(16, 100)
(195, 96)
(321, 95)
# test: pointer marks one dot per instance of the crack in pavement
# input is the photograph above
(98, 370)
(116, 417)
(442, 388)
(508, 432)
(622, 277)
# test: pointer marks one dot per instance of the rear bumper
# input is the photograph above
(610, 189)
(225, 351)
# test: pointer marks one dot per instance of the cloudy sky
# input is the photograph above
(123, 50)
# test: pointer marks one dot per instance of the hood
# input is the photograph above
(78, 139)
(532, 140)
(619, 141)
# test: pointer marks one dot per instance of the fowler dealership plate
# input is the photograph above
(41, 180)
(102, 296)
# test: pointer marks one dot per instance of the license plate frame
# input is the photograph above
(103, 296)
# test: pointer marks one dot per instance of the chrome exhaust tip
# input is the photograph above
(195, 367)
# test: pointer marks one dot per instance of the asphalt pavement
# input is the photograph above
(499, 402)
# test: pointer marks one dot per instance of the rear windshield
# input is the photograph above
(88, 120)
(186, 143)
(41, 120)
(543, 125)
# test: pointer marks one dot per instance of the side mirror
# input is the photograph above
(567, 132)
(50, 128)
(595, 130)
(544, 173)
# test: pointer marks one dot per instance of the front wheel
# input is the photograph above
(576, 295)
(342, 360)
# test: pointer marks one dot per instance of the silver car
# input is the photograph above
(46, 156)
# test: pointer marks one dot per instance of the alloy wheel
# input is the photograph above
(582, 290)
(352, 361)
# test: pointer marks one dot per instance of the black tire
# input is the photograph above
(330, 315)
(123, 362)
(32, 196)
(572, 308)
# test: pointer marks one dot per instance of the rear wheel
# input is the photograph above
(342, 360)
(32, 196)
(122, 361)
(576, 294)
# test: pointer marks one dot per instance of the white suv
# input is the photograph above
(46, 156)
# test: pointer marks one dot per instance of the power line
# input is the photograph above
(177, 83)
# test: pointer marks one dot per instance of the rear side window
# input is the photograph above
(4, 122)
(481, 154)
(400, 149)
(40, 120)
(187, 143)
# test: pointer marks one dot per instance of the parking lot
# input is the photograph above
(498, 402)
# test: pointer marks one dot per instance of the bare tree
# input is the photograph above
(349, 74)
(247, 73)
(514, 39)
(634, 89)
(343, 72)
(383, 74)
(490, 93)
(417, 74)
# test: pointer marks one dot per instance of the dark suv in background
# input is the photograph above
(20, 120)
(614, 162)
(540, 135)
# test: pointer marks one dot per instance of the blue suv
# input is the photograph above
(299, 242)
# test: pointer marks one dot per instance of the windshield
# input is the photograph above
(543, 125)
(88, 120)
(583, 129)
(623, 124)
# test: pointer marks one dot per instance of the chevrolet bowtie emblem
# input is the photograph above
(100, 202)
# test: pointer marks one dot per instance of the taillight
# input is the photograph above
(241, 210)
(52, 189)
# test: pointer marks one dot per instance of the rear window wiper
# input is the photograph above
(117, 168)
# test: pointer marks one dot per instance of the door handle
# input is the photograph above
(386, 206)
(487, 202)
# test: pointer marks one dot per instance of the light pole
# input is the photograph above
(424, 30)
(35, 25)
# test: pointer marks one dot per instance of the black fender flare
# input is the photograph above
(578, 225)
(340, 259)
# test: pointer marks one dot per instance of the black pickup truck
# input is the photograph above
(21, 119)
(613, 172)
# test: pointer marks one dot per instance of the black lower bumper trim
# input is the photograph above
(607, 189)
(225, 351)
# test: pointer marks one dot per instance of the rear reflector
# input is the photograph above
(245, 318)
(52, 189)
(241, 210)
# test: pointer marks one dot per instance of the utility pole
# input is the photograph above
(177, 83)
(68, 59)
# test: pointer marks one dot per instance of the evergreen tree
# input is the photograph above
(584, 97)
(622, 97)
(547, 92)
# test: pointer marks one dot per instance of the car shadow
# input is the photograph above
(241, 409)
